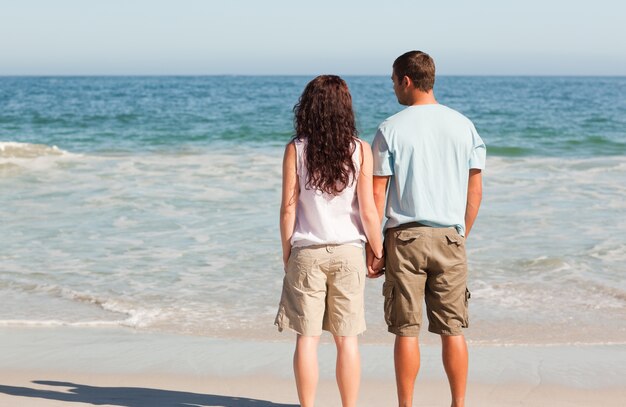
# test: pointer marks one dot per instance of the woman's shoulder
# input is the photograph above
(291, 148)
(363, 143)
(294, 143)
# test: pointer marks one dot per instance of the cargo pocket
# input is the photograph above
(388, 293)
(407, 236)
(454, 239)
(453, 249)
(468, 295)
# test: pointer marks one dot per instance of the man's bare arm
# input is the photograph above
(474, 197)
(380, 194)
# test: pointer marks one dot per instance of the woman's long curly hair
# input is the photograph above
(324, 117)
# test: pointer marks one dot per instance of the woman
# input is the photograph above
(326, 216)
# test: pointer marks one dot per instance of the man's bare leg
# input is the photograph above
(306, 369)
(454, 353)
(348, 369)
(406, 356)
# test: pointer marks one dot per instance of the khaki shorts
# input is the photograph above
(425, 264)
(323, 290)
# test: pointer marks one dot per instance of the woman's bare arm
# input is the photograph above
(289, 200)
(367, 207)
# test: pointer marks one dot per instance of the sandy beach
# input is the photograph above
(68, 366)
(139, 255)
(73, 389)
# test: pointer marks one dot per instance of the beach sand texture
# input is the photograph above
(115, 367)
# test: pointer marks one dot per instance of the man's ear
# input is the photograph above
(406, 81)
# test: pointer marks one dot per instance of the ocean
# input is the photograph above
(151, 203)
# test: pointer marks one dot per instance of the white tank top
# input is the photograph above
(323, 218)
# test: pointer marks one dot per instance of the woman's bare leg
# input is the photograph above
(306, 369)
(348, 369)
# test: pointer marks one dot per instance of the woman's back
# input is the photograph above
(324, 218)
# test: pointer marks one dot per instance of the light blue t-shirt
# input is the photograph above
(428, 151)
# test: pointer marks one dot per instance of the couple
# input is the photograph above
(426, 163)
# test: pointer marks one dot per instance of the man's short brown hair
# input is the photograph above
(418, 66)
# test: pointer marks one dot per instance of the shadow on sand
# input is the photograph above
(133, 396)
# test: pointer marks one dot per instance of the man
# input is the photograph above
(431, 158)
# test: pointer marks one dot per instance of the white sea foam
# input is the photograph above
(189, 243)
(11, 149)
(135, 316)
(496, 343)
(138, 317)
(56, 323)
(137, 320)
(556, 299)
(18, 157)
(610, 250)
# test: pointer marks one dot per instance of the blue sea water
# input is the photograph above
(152, 203)
(519, 116)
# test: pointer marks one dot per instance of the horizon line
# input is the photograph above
(303, 75)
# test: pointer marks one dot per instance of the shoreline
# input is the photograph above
(482, 333)
(131, 368)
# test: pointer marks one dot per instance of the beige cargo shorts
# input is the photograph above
(425, 265)
(323, 289)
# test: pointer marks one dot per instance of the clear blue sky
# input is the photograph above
(477, 37)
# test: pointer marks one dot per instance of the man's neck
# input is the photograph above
(422, 98)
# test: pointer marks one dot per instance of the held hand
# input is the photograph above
(369, 259)
(376, 268)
